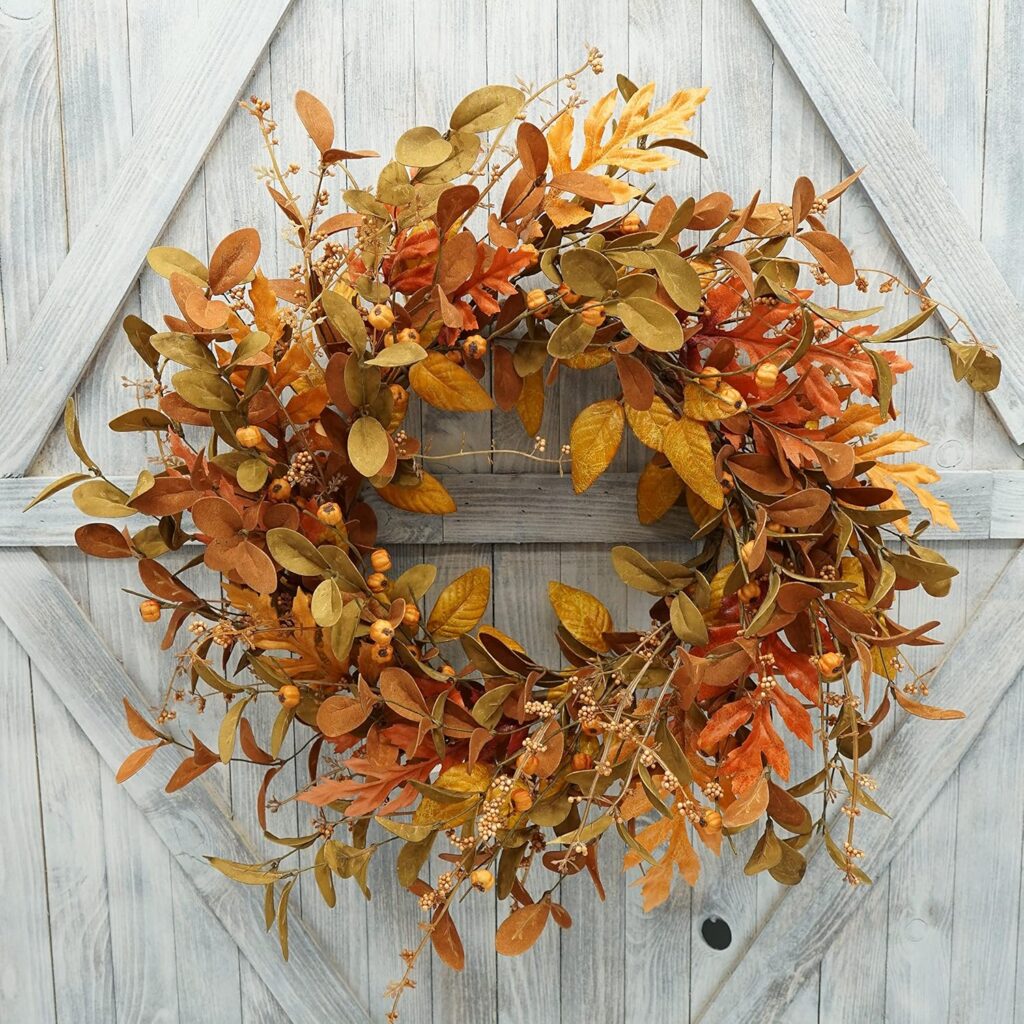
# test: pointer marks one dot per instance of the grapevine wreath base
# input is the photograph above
(277, 405)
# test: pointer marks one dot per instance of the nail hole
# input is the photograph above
(716, 932)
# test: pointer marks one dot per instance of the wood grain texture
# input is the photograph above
(915, 202)
(536, 508)
(800, 931)
(191, 823)
(87, 292)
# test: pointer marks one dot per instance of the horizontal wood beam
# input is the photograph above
(535, 508)
(915, 203)
(65, 647)
(921, 757)
(105, 259)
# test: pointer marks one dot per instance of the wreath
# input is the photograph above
(279, 405)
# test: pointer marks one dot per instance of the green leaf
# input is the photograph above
(229, 729)
(493, 106)
(184, 349)
(249, 874)
(402, 353)
(327, 603)
(587, 272)
(56, 485)
(74, 435)
(570, 337)
(687, 622)
(654, 326)
(295, 553)
(487, 710)
(678, 278)
(102, 499)
(139, 419)
(205, 390)
(422, 147)
(344, 318)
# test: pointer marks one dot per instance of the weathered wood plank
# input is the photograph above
(801, 930)
(94, 279)
(536, 508)
(916, 204)
(192, 823)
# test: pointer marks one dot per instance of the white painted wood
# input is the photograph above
(191, 823)
(94, 279)
(536, 508)
(800, 931)
(916, 204)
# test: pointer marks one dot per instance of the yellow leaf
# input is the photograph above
(264, 304)
(530, 404)
(649, 425)
(429, 496)
(856, 421)
(718, 582)
(461, 605)
(560, 142)
(701, 403)
(448, 386)
(688, 447)
(564, 213)
(460, 778)
(889, 444)
(912, 475)
(657, 491)
(594, 439)
(581, 614)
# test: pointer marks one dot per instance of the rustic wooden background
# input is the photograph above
(99, 923)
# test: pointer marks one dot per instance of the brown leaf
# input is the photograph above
(101, 540)
(636, 380)
(444, 937)
(402, 695)
(522, 928)
(915, 707)
(234, 259)
(316, 119)
(339, 715)
(137, 725)
(831, 253)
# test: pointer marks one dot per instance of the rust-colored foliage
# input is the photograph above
(279, 404)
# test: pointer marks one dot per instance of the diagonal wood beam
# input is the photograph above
(60, 640)
(916, 204)
(794, 938)
(537, 508)
(105, 258)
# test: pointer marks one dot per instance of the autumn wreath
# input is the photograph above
(278, 405)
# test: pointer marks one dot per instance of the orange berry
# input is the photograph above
(475, 346)
(521, 799)
(380, 317)
(712, 820)
(150, 611)
(409, 334)
(527, 763)
(447, 670)
(481, 879)
(289, 695)
(377, 582)
(766, 376)
(380, 560)
(400, 398)
(454, 356)
(529, 250)
(730, 396)
(593, 315)
(279, 489)
(329, 513)
(710, 378)
(582, 762)
(411, 618)
(382, 655)
(728, 483)
(248, 437)
(568, 296)
(830, 664)
(381, 632)
(631, 223)
(750, 591)
(536, 299)
(591, 729)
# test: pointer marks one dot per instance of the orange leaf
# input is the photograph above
(316, 119)
(233, 259)
(429, 497)
(688, 447)
(657, 491)
(447, 386)
(135, 761)
(522, 928)
(581, 614)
